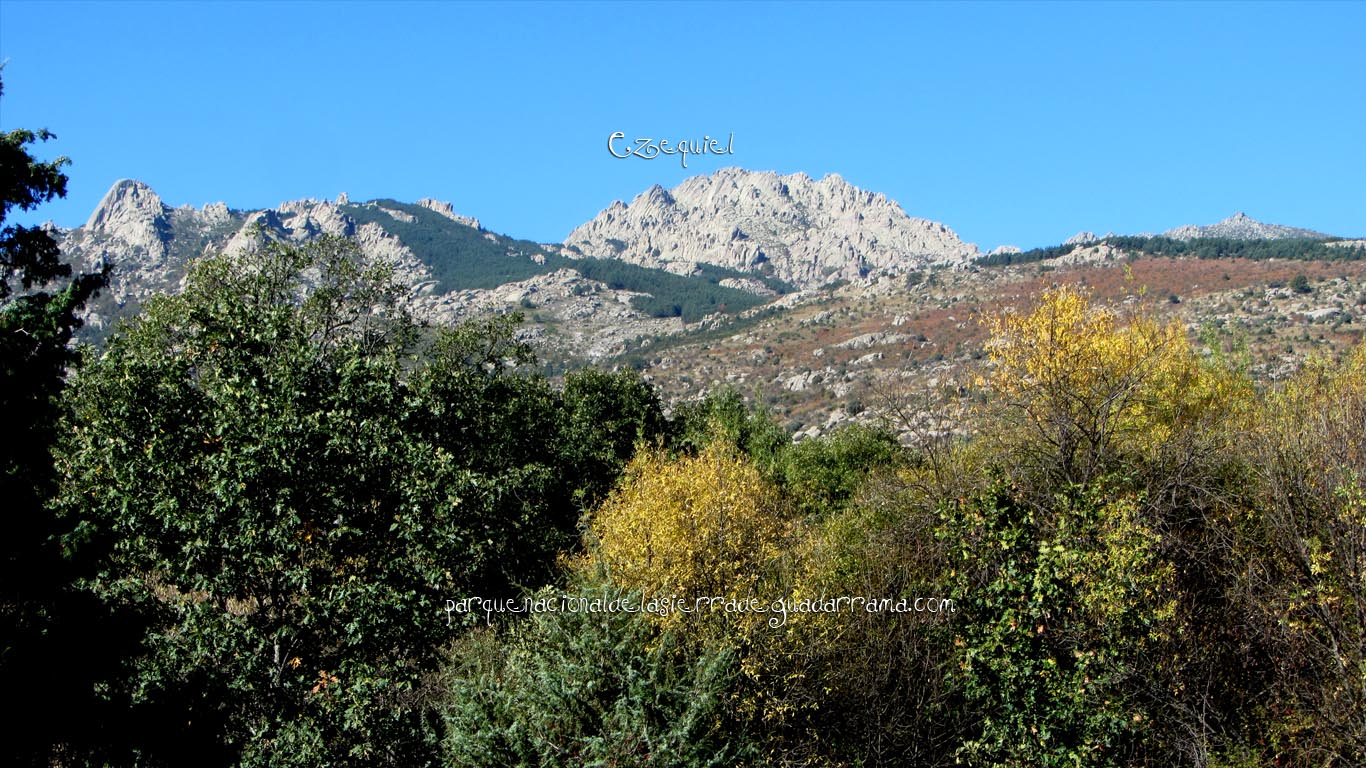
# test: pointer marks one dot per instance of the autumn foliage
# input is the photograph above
(707, 525)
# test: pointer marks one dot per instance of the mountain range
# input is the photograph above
(723, 242)
(814, 293)
(719, 243)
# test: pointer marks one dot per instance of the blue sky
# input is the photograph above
(1011, 122)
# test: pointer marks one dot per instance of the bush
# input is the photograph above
(575, 688)
(608, 416)
(821, 474)
(724, 416)
(1304, 544)
(1082, 394)
(696, 526)
(1060, 611)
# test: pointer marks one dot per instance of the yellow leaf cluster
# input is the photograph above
(1077, 353)
(691, 527)
(1092, 383)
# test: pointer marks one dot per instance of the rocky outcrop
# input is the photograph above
(573, 316)
(1240, 226)
(133, 216)
(445, 209)
(806, 232)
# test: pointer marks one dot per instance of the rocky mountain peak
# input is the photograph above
(655, 195)
(126, 203)
(806, 232)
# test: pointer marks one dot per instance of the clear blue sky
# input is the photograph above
(1010, 123)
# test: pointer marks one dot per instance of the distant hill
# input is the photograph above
(804, 289)
(1240, 226)
(1238, 236)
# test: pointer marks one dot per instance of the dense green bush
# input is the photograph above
(822, 474)
(1061, 609)
(608, 416)
(590, 689)
(724, 415)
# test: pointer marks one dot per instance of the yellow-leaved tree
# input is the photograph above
(1092, 388)
(692, 527)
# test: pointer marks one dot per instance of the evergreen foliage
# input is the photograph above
(44, 623)
(581, 688)
(260, 464)
(1300, 249)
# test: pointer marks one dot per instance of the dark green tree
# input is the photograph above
(607, 416)
(44, 625)
(290, 493)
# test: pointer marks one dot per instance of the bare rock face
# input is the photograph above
(748, 285)
(132, 229)
(1240, 226)
(571, 314)
(303, 220)
(132, 214)
(808, 233)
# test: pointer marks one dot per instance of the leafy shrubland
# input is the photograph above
(1151, 558)
(239, 530)
(271, 484)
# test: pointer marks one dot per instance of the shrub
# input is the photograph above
(821, 474)
(1059, 612)
(1304, 541)
(697, 526)
(576, 688)
(724, 416)
(1093, 395)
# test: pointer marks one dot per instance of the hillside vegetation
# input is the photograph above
(1200, 248)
